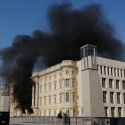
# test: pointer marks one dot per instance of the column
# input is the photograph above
(36, 93)
(33, 97)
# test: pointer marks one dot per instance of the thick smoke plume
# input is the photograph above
(70, 29)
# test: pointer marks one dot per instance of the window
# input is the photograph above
(55, 86)
(110, 83)
(108, 70)
(117, 84)
(60, 84)
(114, 71)
(49, 99)
(103, 82)
(111, 71)
(111, 97)
(118, 71)
(40, 101)
(67, 96)
(44, 87)
(106, 111)
(44, 100)
(54, 98)
(123, 84)
(44, 112)
(118, 97)
(49, 87)
(67, 82)
(119, 111)
(73, 81)
(60, 98)
(121, 72)
(54, 112)
(105, 70)
(49, 112)
(124, 97)
(112, 111)
(67, 72)
(45, 78)
(100, 69)
(104, 96)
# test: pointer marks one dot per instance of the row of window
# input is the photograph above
(106, 70)
(66, 97)
(119, 96)
(113, 83)
(113, 111)
(54, 86)
(65, 72)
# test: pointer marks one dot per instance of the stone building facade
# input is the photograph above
(91, 87)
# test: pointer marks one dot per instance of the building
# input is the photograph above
(4, 98)
(91, 87)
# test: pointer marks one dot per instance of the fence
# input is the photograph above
(72, 121)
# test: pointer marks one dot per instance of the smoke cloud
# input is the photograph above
(70, 29)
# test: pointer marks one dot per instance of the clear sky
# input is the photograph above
(25, 16)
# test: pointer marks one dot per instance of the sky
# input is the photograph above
(24, 16)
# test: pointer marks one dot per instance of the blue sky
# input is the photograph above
(25, 16)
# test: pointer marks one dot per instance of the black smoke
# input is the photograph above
(69, 30)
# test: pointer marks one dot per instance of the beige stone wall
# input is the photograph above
(55, 90)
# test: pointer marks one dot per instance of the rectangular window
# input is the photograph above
(111, 97)
(110, 83)
(108, 70)
(117, 84)
(60, 98)
(105, 70)
(44, 100)
(60, 84)
(44, 87)
(111, 71)
(124, 97)
(100, 69)
(67, 82)
(118, 71)
(112, 111)
(121, 72)
(44, 112)
(49, 99)
(118, 97)
(54, 98)
(123, 84)
(55, 86)
(104, 96)
(67, 96)
(103, 82)
(106, 111)
(67, 72)
(49, 112)
(49, 87)
(119, 111)
(114, 71)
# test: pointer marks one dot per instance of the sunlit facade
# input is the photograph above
(91, 87)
